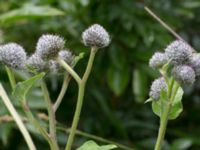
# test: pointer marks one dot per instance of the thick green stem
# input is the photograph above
(11, 77)
(81, 84)
(17, 118)
(51, 114)
(62, 92)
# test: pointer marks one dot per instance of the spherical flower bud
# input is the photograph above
(179, 52)
(157, 86)
(67, 56)
(184, 74)
(158, 60)
(36, 63)
(13, 55)
(96, 36)
(195, 63)
(49, 45)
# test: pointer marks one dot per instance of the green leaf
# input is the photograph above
(118, 79)
(181, 144)
(161, 104)
(177, 106)
(22, 88)
(29, 11)
(91, 145)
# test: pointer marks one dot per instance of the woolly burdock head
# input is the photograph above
(195, 63)
(96, 36)
(158, 60)
(157, 86)
(13, 55)
(36, 63)
(184, 74)
(49, 45)
(67, 56)
(179, 52)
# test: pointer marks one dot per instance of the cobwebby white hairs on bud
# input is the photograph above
(157, 86)
(195, 63)
(158, 60)
(37, 63)
(67, 56)
(54, 66)
(49, 45)
(96, 36)
(13, 55)
(179, 52)
(184, 74)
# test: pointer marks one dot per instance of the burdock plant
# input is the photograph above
(50, 56)
(178, 65)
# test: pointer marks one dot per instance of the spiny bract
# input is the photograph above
(13, 55)
(179, 52)
(158, 60)
(184, 74)
(157, 86)
(96, 36)
(49, 45)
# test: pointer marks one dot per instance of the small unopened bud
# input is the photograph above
(184, 74)
(179, 52)
(36, 63)
(96, 36)
(49, 45)
(195, 63)
(157, 86)
(13, 55)
(158, 60)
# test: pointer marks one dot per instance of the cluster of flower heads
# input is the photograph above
(185, 66)
(48, 48)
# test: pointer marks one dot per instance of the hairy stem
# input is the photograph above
(62, 92)
(81, 84)
(17, 119)
(52, 121)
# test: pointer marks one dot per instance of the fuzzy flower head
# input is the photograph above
(37, 63)
(158, 60)
(179, 52)
(184, 74)
(49, 45)
(96, 36)
(157, 86)
(13, 55)
(195, 63)
(67, 56)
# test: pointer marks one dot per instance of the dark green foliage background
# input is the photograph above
(118, 86)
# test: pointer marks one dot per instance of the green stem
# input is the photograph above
(164, 117)
(34, 121)
(62, 92)
(52, 122)
(81, 84)
(11, 77)
(17, 119)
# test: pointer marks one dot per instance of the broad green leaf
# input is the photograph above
(177, 106)
(91, 145)
(118, 79)
(22, 88)
(29, 11)
(158, 105)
